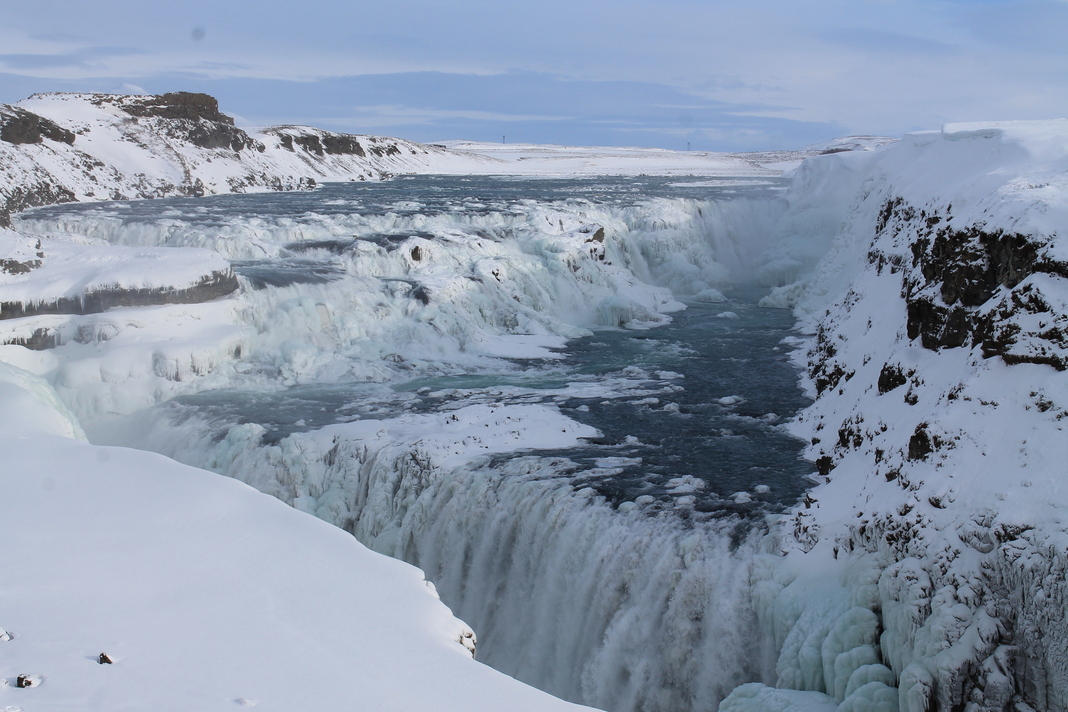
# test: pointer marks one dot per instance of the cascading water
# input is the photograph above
(590, 507)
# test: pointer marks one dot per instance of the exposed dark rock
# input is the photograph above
(938, 326)
(417, 253)
(213, 286)
(310, 143)
(19, 198)
(18, 126)
(40, 340)
(387, 150)
(207, 134)
(105, 659)
(824, 465)
(13, 266)
(891, 377)
(326, 143)
(920, 444)
(16, 267)
(189, 116)
(420, 292)
(826, 372)
(1023, 327)
(596, 235)
(176, 105)
(27, 681)
(969, 287)
(342, 144)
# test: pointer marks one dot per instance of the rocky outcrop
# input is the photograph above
(213, 286)
(975, 286)
(23, 197)
(178, 143)
(173, 105)
(18, 126)
(185, 116)
(21, 261)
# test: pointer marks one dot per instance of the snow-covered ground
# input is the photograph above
(548, 160)
(68, 273)
(202, 592)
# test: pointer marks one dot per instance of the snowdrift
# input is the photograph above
(203, 593)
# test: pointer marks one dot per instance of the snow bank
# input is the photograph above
(204, 593)
(63, 274)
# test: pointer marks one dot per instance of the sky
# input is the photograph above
(708, 74)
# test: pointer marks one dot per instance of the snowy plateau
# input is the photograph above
(923, 568)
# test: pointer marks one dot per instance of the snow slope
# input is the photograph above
(931, 560)
(205, 593)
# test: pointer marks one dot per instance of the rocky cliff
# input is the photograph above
(937, 358)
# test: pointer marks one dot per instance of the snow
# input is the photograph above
(204, 592)
(72, 267)
(549, 160)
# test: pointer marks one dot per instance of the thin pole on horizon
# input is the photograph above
(502, 139)
(687, 145)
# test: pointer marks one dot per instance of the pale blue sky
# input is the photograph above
(720, 75)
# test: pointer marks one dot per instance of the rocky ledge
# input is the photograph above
(213, 286)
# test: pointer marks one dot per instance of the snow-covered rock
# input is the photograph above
(65, 274)
(937, 360)
(61, 147)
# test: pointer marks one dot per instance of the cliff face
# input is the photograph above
(937, 356)
(58, 148)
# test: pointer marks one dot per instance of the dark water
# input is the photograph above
(694, 408)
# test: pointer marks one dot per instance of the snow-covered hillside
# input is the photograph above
(932, 559)
(61, 147)
(64, 147)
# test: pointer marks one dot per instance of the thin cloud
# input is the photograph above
(880, 41)
(40, 61)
